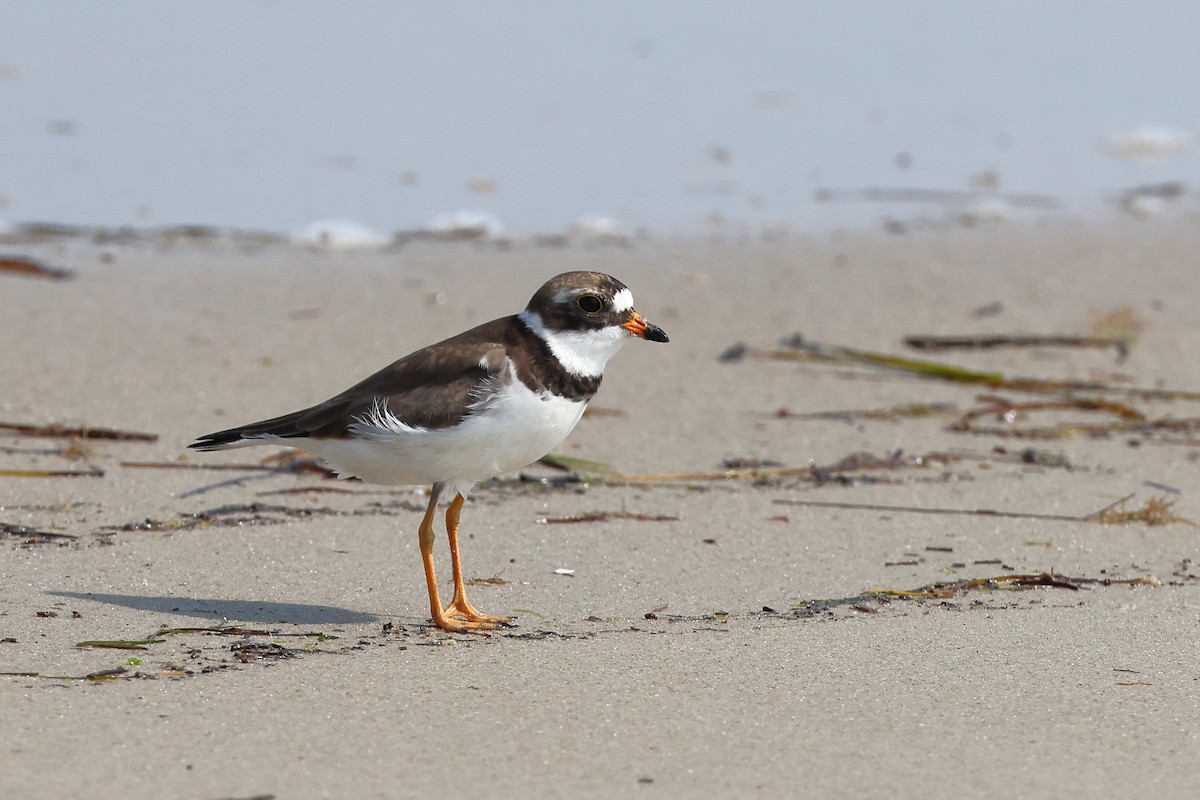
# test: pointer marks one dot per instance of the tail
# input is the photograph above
(265, 432)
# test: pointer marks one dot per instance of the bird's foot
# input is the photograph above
(460, 613)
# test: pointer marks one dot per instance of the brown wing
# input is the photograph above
(431, 388)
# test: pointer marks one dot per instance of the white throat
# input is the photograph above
(582, 353)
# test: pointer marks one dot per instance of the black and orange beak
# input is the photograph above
(639, 327)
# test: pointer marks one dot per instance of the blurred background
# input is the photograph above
(524, 118)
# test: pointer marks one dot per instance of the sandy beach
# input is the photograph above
(679, 632)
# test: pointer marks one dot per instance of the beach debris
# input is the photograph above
(285, 462)
(810, 351)
(605, 516)
(57, 431)
(187, 465)
(338, 234)
(238, 630)
(570, 573)
(122, 644)
(947, 590)
(298, 461)
(738, 462)
(1010, 412)
(752, 474)
(893, 414)
(247, 514)
(993, 341)
(239, 481)
(1156, 511)
(249, 650)
(101, 675)
(1148, 142)
(584, 467)
(571, 480)
(494, 580)
(841, 470)
(854, 467)
(1008, 582)
(34, 535)
(32, 268)
(1129, 420)
(319, 490)
(93, 472)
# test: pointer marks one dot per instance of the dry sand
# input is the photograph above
(1089, 691)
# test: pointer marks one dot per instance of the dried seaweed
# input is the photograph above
(185, 465)
(950, 589)
(317, 490)
(247, 514)
(237, 630)
(994, 341)
(1129, 421)
(101, 675)
(247, 651)
(121, 644)
(753, 474)
(605, 516)
(286, 462)
(582, 466)
(494, 580)
(33, 535)
(1154, 513)
(94, 472)
(60, 432)
(1008, 582)
(842, 469)
(895, 413)
(799, 349)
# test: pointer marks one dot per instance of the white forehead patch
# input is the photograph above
(623, 301)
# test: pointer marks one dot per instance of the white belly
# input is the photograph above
(516, 428)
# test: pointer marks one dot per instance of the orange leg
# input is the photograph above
(460, 607)
(426, 537)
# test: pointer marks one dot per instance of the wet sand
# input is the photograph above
(701, 654)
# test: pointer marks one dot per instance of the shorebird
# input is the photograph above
(479, 404)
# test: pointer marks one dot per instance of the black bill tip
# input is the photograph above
(655, 334)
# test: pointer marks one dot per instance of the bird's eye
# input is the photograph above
(589, 303)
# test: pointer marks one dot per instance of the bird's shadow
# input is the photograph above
(261, 611)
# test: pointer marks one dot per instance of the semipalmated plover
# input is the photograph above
(488, 401)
